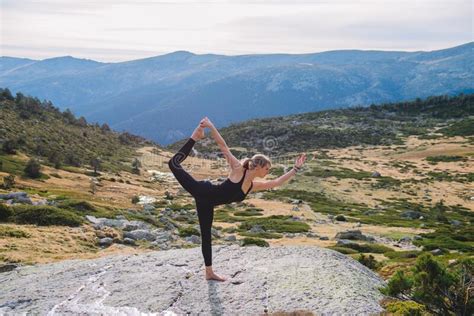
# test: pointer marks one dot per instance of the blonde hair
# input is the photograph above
(256, 160)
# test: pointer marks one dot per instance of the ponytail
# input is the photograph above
(256, 160)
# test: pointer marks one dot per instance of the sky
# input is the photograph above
(120, 30)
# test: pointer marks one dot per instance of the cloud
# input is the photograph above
(231, 26)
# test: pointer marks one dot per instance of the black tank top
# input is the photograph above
(228, 191)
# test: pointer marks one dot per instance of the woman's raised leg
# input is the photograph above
(184, 178)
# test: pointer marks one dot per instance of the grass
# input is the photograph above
(188, 231)
(365, 247)
(12, 164)
(253, 211)
(264, 235)
(248, 241)
(344, 250)
(342, 173)
(44, 216)
(443, 158)
(222, 215)
(402, 254)
(6, 231)
(82, 207)
(276, 223)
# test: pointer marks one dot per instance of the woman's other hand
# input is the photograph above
(206, 122)
(300, 160)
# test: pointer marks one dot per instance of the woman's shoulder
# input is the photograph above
(237, 166)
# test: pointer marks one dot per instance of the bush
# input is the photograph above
(250, 212)
(277, 223)
(80, 206)
(265, 235)
(442, 291)
(188, 231)
(369, 262)
(374, 248)
(33, 168)
(45, 216)
(443, 158)
(402, 254)
(5, 213)
(344, 250)
(6, 231)
(8, 182)
(340, 218)
(9, 146)
(406, 308)
(399, 284)
(254, 241)
(135, 199)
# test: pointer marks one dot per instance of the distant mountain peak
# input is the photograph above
(69, 58)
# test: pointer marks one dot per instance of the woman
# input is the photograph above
(207, 195)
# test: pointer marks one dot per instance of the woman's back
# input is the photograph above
(228, 191)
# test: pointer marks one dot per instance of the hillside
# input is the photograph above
(156, 97)
(383, 124)
(37, 128)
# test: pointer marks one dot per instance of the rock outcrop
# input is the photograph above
(172, 282)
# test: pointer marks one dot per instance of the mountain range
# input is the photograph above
(163, 97)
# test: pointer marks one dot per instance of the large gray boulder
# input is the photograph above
(353, 235)
(13, 195)
(172, 282)
(140, 234)
(411, 214)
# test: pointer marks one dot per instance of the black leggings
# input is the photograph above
(199, 190)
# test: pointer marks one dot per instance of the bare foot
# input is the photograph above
(213, 276)
(198, 133)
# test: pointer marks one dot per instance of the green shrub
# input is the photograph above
(178, 207)
(436, 240)
(8, 182)
(45, 216)
(188, 231)
(442, 158)
(254, 241)
(344, 250)
(250, 212)
(80, 206)
(277, 171)
(5, 213)
(265, 235)
(386, 183)
(10, 146)
(222, 215)
(374, 248)
(277, 223)
(6, 231)
(399, 284)
(402, 254)
(343, 173)
(340, 218)
(135, 199)
(441, 290)
(369, 262)
(33, 168)
(406, 308)
(461, 128)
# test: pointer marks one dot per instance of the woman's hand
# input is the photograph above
(206, 122)
(300, 161)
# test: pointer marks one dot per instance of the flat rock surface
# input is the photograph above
(172, 282)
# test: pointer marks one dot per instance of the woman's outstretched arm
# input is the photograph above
(265, 185)
(234, 163)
